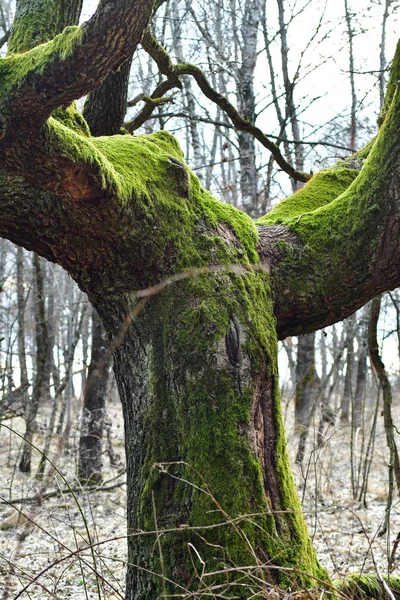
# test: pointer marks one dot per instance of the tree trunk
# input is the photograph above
(90, 442)
(192, 294)
(306, 390)
(247, 106)
(205, 443)
(353, 110)
(347, 396)
(41, 340)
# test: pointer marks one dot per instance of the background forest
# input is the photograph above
(312, 76)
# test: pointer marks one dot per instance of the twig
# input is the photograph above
(56, 493)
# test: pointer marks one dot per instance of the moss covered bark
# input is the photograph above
(344, 224)
(192, 295)
(212, 471)
(39, 21)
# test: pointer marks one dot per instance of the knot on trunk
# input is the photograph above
(3, 127)
(232, 341)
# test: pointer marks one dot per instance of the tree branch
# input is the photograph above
(174, 72)
(69, 66)
(339, 236)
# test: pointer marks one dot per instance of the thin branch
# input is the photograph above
(63, 492)
(208, 121)
(174, 71)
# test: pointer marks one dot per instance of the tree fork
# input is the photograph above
(195, 363)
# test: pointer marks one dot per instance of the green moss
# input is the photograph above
(350, 219)
(361, 587)
(201, 414)
(146, 177)
(392, 86)
(338, 219)
(33, 24)
(201, 407)
(72, 118)
(322, 189)
(36, 22)
(15, 68)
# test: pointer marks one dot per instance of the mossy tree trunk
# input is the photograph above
(205, 440)
(192, 294)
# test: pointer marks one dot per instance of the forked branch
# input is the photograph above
(174, 72)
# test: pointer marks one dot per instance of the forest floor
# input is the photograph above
(47, 551)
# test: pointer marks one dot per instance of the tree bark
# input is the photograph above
(247, 105)
(41, 340)
(192, 295)
(307, 382)
(347, 395)
(205, 437)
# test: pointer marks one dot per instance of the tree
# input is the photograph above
(94, 410)
(193, 295)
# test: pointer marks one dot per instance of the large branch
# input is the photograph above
(335, 244)
(174, 71)
(54, 74)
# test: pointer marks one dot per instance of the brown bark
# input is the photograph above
(195, 349)
(108, 40)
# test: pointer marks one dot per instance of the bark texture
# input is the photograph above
(192, 294)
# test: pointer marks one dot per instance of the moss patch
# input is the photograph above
(15, 68)
(72, 118)
(37, 22)
(360, 587)
(201, 415)
(322, 189)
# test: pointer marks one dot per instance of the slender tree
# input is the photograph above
(94, 407)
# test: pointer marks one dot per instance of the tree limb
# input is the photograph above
(174, 72)
(71, 64)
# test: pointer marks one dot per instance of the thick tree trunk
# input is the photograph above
(205, 444)
(192, 295)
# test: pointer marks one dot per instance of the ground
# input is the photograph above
(345, 535)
